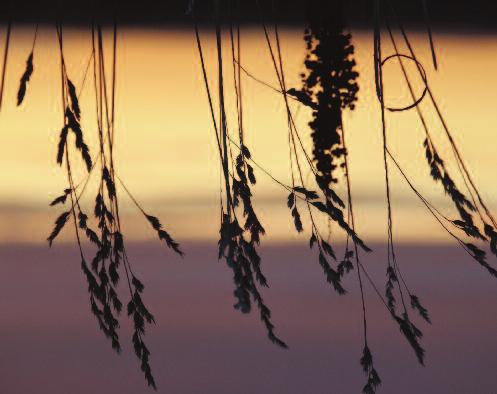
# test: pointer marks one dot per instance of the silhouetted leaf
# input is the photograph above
(416, 304)
(59, 225)
(171, 243)
(111, 188)
(137, 284)
(328, 249)
(366, 359)
(296, 219)
(411, 333)
(251, 175)
(303, 97)
(291, 200)
(25, 79)
(62, 144)
(155, 222)
(309, 194)
(246, 152)
(332, 276)
(74, 99)
(312, 240)
(61, 199)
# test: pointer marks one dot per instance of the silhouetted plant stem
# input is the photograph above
(103, 274)
(440, 173)
(373, 379)
(426, 16)
(328, 88)
(238, 251)
(5, 58)
(406, 326)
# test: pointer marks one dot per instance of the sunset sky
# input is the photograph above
(167, 156)
(165, 149)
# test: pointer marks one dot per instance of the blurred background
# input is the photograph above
(166, 155)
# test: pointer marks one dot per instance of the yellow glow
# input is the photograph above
(166, 151)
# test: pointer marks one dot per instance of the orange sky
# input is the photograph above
(165, 148)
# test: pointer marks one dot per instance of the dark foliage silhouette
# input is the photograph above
(110, 260)
(329, 89)
(237, 244)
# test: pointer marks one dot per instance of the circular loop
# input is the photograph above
(423, 77)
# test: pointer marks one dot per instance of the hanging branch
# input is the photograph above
(438, 171)
(409, 330)
(329, 87)
(331, 198)
(239, 252)
(406, 326)
(103, 274)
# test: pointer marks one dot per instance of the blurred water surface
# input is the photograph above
(51, 343)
